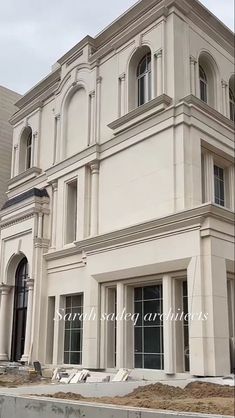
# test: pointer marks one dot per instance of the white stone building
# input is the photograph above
(122, 197)
(7, 108)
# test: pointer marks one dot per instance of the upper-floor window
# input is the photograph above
(219, 185)
(71, 211)
(208, 75)
(144, 79)
(29, 151)
(203, 84)
(26, 150)
(231, 105)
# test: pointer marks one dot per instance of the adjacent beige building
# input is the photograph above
(7, 108)
(121, 199)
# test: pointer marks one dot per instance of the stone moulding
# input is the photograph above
(141, 113)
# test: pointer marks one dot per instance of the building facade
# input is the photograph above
(7, 108)
(121, 200)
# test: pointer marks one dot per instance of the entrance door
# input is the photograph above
(20, 311)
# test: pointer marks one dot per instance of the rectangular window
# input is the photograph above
(73, 330)
(219, 185)
(149, 330)
(71, 212)
(185, 325)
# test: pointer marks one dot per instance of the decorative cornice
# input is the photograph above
(25, 196)
(180, 222)
(136, 115)
(82, 155)
(40, 88)
(195, 101)
(33, 171)
(17, 218)
(126, 27)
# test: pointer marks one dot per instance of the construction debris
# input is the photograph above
(121, 376)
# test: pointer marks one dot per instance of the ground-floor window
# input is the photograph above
(185, 325)
(148, 340)
(73, 330)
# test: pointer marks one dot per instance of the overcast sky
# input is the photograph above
(35, 33)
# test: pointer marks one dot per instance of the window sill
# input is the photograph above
(23, 177)
(141, 113)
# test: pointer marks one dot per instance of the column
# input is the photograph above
(215, 297)
(58, 349)
(168, 325)
(196, 328)
(98, 104)
(209, 177)
(13, 162)
(92, 118)
(122, 97)
(28, 342)
(4, 308)
(94, 214)
(225, 100)
(158, 56)
(56, 151)
(54, 214)
(192, 76)
(40, 219)
(120, 339)
(231, 182)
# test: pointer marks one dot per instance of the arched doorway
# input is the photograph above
(20, 310)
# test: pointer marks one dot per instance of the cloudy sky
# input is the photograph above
(35, 33)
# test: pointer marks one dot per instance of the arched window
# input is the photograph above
(26, 150)
(29, 150)
(208, 74)
(203, 84)
(144, 80)
(20, 310)
(231, 105)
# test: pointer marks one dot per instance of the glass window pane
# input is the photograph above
(141, 90)
(75, 358)
(152, 311)
(152, 343)
(76, 300)
(68, 301)
(138, 361)
(66, 358)
(75, 340)
(152, 292)
(67, 340)
(152, 361)
(76, 313)
(138, 310)
(138, 293)
(138, 340)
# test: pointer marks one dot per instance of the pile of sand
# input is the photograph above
(195, 397)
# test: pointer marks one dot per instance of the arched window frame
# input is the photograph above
(231, 105)
(203, 84)
(144, 79)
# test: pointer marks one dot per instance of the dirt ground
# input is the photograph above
(198, 397)
(11, 380)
